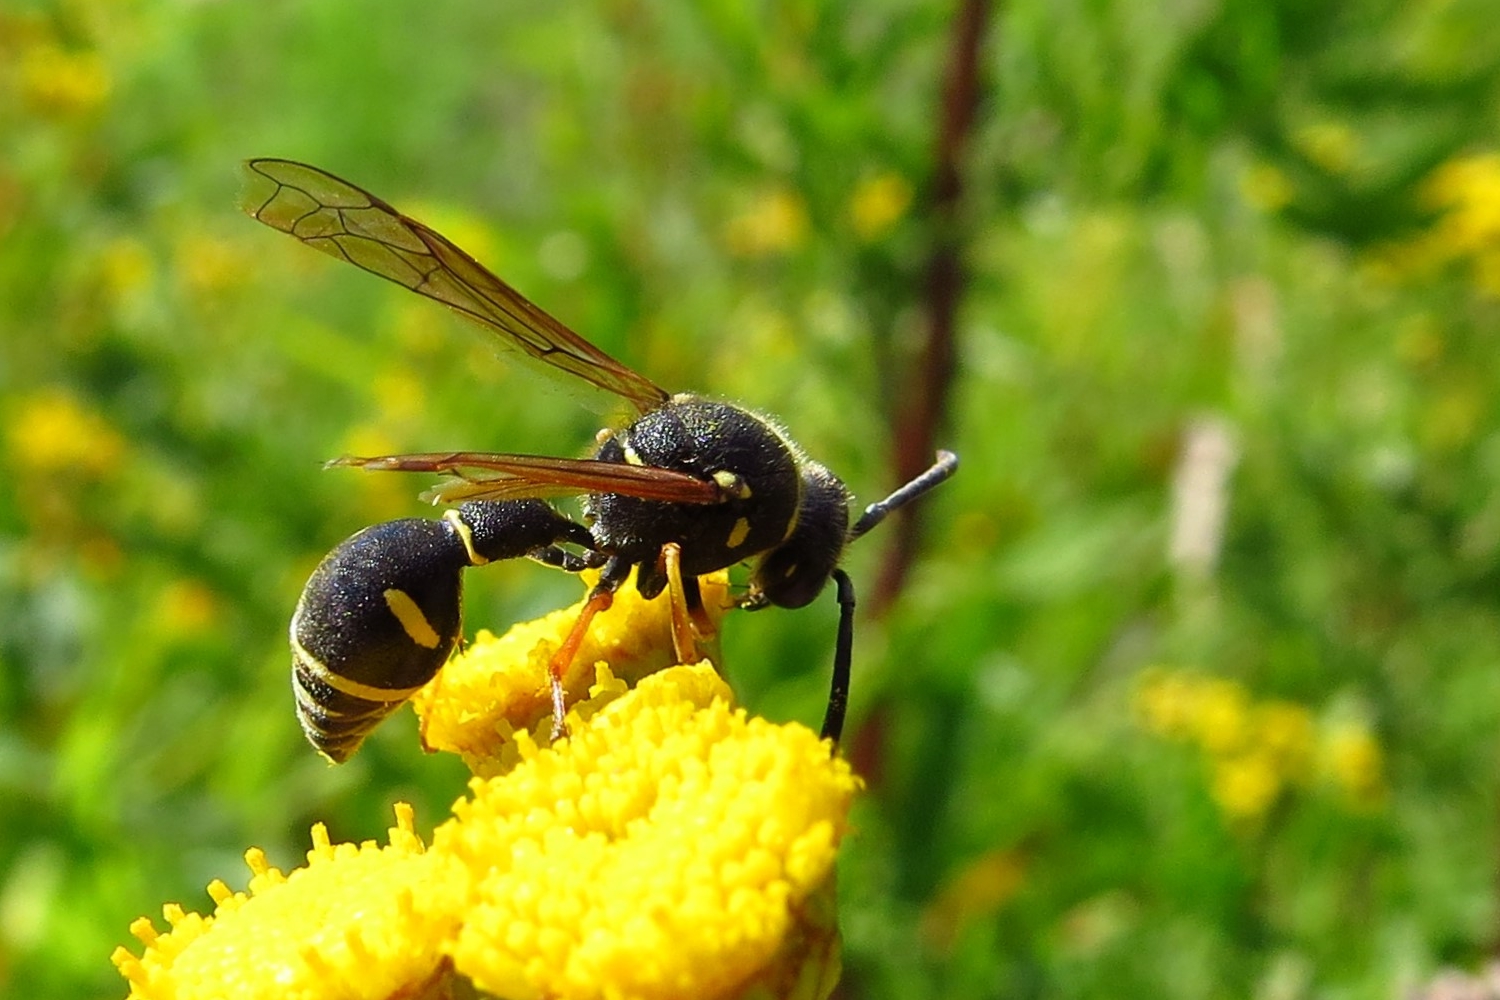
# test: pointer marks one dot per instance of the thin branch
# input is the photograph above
(920, 417)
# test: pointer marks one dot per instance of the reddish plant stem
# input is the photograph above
(919, 417)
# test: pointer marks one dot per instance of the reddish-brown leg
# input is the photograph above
(598, 601)
(684, 645)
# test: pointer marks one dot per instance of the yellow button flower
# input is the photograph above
(343, 926)
(670, 847)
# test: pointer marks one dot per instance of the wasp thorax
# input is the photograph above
(795, 572)
(743, 453)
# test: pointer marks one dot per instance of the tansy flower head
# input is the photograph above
(343, 926)
(671, 847)
(498, 686)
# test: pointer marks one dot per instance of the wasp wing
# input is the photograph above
(349, 223)
(490, 476)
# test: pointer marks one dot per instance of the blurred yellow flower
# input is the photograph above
(775, 222)
(1257, 749)
(1352, 761)
(127, 268)
(977, 890)
(1245, 786)
(1331, 145)
(209, 264)
(399, 394)
(1166, 701)
(1468, 190)
(1266, 187)
(877, 203)
(58, 82)
(1286, 734)
(1465, 194)
(496, 690)
(186, 607)
(1222, 718)
(50, 431)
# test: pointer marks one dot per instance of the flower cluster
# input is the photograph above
(1464, 197)
(671, 846)
(1257, 750)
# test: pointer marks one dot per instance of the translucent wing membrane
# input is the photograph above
(349, 223)
(487, 476)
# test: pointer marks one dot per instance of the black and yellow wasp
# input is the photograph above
(692, 485)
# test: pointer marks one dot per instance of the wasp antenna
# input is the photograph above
(843, 654)
(945, 465)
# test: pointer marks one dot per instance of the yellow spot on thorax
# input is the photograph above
(732, 483)
(738, 533)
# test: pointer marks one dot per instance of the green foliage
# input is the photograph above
(1194, 223)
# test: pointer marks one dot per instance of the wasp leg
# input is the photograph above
(703, 626)
(843, 654)
(599, 599)
(684, 645)
(568, 562)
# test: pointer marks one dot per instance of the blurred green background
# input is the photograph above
(1195, 686)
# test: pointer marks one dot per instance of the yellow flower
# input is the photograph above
(1331, 145)
(1285, 733)
(209, 264)
(399, 394)
(775, 222)
(1267, 187)
(1465, 192)
(1246, 785)
(498, 686)
(1167, 701)
(1256, 749)
(671, 847)
(1222, 720)
(977, 890)
(126, 268)
(877, 203)
(1352, 760)
(56, 81)
(53, 432)
(344, 926)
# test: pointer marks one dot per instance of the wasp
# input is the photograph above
(691, 485)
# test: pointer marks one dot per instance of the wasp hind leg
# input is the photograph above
(686, 599)
(615, 571)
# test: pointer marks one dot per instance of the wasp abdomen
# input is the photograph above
(376, 620)
(381, 614)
